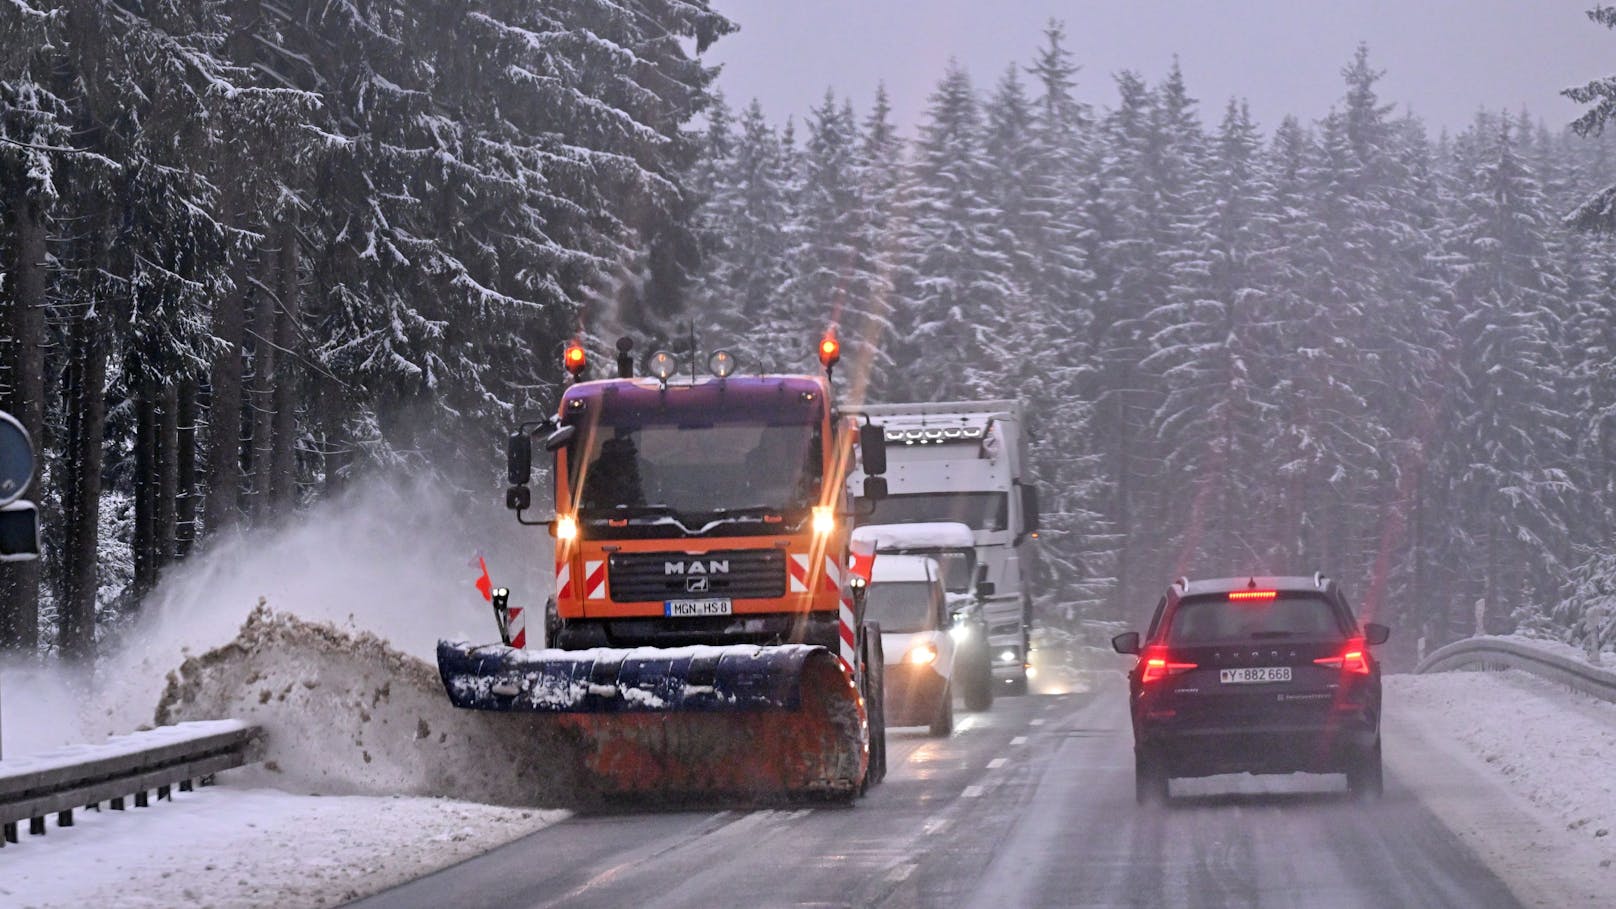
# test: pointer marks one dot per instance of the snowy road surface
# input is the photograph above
(1032, 805)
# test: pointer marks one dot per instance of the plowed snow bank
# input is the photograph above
(343, 713)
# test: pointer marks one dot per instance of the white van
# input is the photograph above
(907, 598)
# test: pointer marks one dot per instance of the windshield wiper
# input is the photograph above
(628, 511)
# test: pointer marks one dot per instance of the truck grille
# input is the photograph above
(735, 573)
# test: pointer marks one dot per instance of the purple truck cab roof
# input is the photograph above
(769, 399)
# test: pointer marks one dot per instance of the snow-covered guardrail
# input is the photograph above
(84, 776)
(1514, 653)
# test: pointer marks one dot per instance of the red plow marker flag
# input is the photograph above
(485, 585)
(863, 561)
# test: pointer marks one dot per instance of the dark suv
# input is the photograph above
(1258, 675)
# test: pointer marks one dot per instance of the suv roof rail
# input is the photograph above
(1318, 579)
(1183, 583)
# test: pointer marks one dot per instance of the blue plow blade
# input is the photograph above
(638, 680)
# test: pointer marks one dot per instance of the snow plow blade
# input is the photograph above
(737, 720)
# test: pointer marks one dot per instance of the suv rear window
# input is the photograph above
(1216, 620)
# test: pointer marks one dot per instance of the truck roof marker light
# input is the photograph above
(830, 351)
(721, 364)
(663, 365)
(575, 359)
(1238, 595)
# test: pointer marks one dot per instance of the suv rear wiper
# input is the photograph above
(1273, 634)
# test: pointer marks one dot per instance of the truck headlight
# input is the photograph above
(1008, 656)
(824, 519)
(960, 632)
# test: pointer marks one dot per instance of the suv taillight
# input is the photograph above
(1159, 664)
(1352, 659)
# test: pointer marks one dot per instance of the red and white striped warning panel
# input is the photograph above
(517, 618)
(594, 579)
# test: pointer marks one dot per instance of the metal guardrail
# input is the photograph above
(84, 776)
(1512, 653)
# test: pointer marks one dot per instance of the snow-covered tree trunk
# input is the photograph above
(23, 295)
(85, 395)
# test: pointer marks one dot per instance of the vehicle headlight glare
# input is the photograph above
(922, 654)
(1008, 656)
(566, 528)
(824, 519)
(960, 632)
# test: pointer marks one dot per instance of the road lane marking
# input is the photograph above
(1019, 740)
(901, 873)
(996, 763)
(934, 826)
(1036, 723)
(972, 792)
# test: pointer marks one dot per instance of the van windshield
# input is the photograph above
(902, 606)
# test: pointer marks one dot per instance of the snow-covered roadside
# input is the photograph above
(1543, 751)
(235, 846)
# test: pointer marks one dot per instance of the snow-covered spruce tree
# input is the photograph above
(32, 121)
(738, 295)
(1505, 319)
(879, 163)
(1597, 212)
(963, 295)
(838, 277)
(1077, 550)
(1212, 349)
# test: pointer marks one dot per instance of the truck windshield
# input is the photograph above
(902, 606)
(976, 510)
(684, 469)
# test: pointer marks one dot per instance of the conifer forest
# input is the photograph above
(254, 250)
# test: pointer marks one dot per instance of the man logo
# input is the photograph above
(697, 567)
(696, 585)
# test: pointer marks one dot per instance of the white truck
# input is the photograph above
(966, 462)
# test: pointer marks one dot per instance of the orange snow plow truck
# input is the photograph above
(706, 634)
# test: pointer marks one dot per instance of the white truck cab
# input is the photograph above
(965, 462)
(906, 597)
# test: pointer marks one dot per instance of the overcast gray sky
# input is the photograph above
(1444, 59)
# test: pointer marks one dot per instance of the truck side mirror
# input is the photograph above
(559, 438)
(985, 589)
(518, 498)
(873, 449)
(1029, 508)
(519, 459)
(875, 489)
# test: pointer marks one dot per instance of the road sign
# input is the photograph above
(16, 459)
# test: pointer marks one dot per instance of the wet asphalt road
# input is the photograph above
(1030, 804)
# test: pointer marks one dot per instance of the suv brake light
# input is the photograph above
(1351, 659)
(1159, 665)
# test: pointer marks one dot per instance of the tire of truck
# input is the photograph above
(979, 682)
(552, 622)
(874, 705)
(943, 725)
